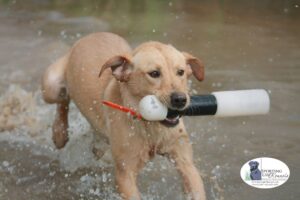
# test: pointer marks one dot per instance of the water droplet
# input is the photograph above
(40, 32)
(5, 163)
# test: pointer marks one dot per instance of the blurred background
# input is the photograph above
(244, 44)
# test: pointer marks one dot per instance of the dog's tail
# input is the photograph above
(54, 81)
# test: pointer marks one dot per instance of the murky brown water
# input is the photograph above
(246, 44)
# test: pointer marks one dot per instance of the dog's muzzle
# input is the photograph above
(178, 100)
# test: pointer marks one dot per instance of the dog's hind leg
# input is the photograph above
(55, 91)
(60, 125)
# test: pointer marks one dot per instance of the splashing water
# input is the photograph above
(25, 118)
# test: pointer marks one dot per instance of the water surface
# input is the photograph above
(244, 44)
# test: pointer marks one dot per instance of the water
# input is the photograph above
(245, 45)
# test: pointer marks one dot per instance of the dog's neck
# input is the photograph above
(128, 99)
(147, 130)
(153, 132)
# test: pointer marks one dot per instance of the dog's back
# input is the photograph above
(82, 74)
(76, 76)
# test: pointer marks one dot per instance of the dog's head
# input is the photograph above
(253, 165)
(159, 69)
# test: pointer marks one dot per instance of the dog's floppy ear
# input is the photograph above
(196, 65)
(120, 67)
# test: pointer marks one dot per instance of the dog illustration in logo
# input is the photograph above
(255, 173)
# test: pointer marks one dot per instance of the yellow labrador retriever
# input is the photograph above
(102, 66)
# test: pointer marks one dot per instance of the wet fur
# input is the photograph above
(124, 80)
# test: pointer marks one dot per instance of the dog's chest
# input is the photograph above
(153, 134)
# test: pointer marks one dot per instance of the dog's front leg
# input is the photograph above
(181, 152)
(130, 155)
(126, 183)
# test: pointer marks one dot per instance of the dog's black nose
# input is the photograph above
(178, 99)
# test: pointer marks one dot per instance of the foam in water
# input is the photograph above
(25, 118)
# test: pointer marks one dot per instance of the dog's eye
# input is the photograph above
(180, 72)
(154, 74)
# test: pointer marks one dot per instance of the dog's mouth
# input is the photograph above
(171, 121)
